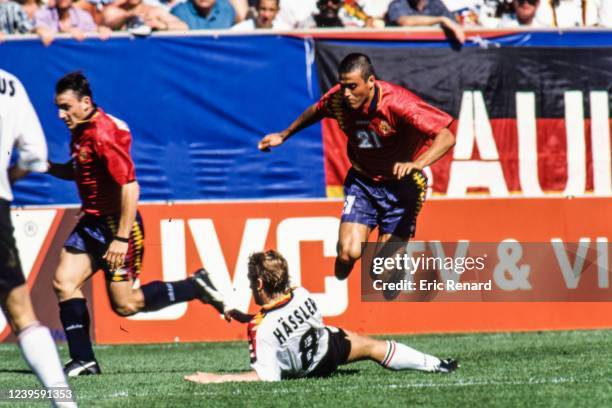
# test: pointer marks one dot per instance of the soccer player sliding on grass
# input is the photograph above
(287, 338)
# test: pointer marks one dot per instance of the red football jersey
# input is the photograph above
(100, 151)
(392, 129)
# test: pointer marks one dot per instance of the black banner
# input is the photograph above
(441, 75)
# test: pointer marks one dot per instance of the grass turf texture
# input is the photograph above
(504, 369)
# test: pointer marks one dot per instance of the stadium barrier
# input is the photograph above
(182, 237)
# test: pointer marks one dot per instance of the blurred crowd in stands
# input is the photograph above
(141, 17)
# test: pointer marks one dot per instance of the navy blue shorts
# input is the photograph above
(93, 235)
(392, 205)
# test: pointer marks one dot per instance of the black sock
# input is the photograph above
(158, 295)
(342, 269)
(75, 319)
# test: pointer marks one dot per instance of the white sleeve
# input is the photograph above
(266, 363)
(30, 139)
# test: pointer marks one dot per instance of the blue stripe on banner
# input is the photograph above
(197, 106)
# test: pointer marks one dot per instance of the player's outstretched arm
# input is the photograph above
(309, 117)
(237, 315)
(64, 171)
(211, 378)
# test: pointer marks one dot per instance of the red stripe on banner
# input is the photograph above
(334, 148)
(397, 34)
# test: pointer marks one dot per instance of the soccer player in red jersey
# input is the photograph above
(109, 235)
(386, 126)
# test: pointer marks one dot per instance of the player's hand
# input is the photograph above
(402, 169)
(271, 140)
(455, 29)
(115, 254)
(237, 315)
(47, 38)
(154, 22)
(77, 34)
(104, 32)
(201, 378)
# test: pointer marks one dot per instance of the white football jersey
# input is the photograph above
(19, 127)
(287, 339)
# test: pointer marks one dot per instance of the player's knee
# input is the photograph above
(125, 309)
(349, 252)
(64, 289)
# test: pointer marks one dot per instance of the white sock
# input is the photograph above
(38, 350)
(401, 357)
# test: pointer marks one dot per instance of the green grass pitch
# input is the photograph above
(544, 369)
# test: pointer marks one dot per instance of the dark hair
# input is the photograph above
(76, 82)
(356, 61)
(258, 2)
(271, 267)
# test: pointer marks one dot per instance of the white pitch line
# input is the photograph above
(283, 390)
(460, 383)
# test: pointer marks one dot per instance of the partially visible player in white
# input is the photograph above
(288, 339)
(20, 128)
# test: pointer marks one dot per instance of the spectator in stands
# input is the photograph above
(326, 15)
(30, 7)
(63, 17)
(94, 7)
(412, 13)
(575, 13)
(523, 15)
(294, 13)
(13, 19)
(468, 12)
(241, 10)
(206, 14)
(140, 18)
(376, 11)
(353, 14)
(266, 10)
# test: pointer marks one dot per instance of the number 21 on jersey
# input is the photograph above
(368, 139)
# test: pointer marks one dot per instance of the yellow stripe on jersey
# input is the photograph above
(257, 319)
(334, 191)
(110, 220)
(421, 183)
(278, 302)
(138, 239)
(337, 108)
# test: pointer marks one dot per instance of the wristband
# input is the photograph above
(121, 239)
